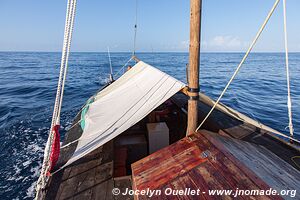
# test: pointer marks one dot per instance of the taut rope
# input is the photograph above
(241, 63)
(135, 28)
(289, 100)
(110, 66)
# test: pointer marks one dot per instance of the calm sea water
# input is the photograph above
(28, 84)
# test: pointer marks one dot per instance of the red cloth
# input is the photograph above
(55, 148)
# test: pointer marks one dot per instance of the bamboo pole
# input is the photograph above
(194, 61)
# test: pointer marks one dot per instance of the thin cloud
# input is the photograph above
(224, 43)
(217, 43)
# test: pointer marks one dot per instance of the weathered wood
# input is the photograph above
(92, 176)
(186, 152)
(123, 183)
(103, 191)
(228, 125)
(263, 162)
(194, 59)
(240, 132)
(218, 163)
(81, 179)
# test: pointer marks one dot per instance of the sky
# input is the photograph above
(163, 25)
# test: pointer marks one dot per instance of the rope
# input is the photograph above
(67, 59)
(110, 66)
(123, 67)
(289, 101)
(285, 136)
(135, 28)
(62, 65)
(56, 104)
(69, 23)
(241, 63)
(71, 28)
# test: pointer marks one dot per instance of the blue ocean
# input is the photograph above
(28, 82)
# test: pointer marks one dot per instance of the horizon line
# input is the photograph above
(35, 51)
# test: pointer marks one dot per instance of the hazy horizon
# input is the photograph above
(148, 52)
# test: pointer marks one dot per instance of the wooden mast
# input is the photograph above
(194, 60)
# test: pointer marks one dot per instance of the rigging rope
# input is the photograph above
(135, 28)
(67, 59)
(241, 63)
(122, 68)
(134, 42)
(110, 66)
(46, 166)
(289, 101)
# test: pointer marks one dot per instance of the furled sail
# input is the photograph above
(122, 104)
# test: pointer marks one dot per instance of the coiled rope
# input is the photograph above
(241, 63)
(69, 24)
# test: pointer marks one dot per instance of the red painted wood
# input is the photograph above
(185, 165)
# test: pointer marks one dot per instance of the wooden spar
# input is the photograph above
(135, 59)
(194, 60)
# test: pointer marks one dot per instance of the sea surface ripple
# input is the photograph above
(28, 82)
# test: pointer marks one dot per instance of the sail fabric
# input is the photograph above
(122, 104)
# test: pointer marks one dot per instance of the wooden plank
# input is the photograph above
(87, 182)
(103, 190)
(185, 182)
(86, 195)
(79, 185)
(103, 172)
(172, 161)
(66, 173)
(220, 121)
(278, 174)
(84, 167)
(240, 131)
(293, 173)
(110, 187)
(69, 187)
(220, 169)
(99, 191)
(211, 178)
(254, 157)
(79, 179)
(123, 183)
(241, 166)
(155, 158)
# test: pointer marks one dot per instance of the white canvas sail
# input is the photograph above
(122, 104)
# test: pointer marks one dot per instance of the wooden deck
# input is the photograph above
(90, 178)
(87, 179)
(107, 167)
(226, 125)
(209, 161)
(93, 176)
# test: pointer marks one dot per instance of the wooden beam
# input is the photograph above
(135, 59)
(185, 91)
(194, 60)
